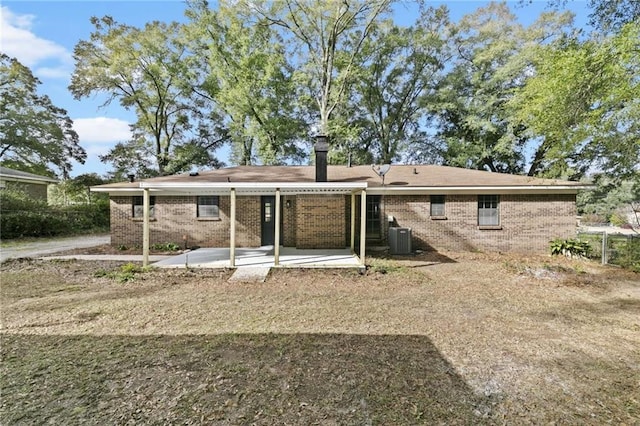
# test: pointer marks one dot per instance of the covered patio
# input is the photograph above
(289, 257)
(272, 256)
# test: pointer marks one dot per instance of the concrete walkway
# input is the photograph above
(250, 274)
(36, 248)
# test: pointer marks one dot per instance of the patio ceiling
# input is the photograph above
(253, 188)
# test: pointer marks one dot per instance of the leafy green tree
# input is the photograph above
(400, 70)
(607, 196)
(325, 38)
(76, 190)
(608, 15)
(493, 58)
(582, 106)
(151, 72)
(248, 79)
(34, 134)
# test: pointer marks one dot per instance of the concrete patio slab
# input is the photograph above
(263, 257)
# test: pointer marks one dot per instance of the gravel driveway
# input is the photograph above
(51, 245)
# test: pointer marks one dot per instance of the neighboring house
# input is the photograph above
(32, 184)
(446, 208)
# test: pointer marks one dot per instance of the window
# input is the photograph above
(437, 206)
(138, 205)
(267, 212)
(488, 214)
(208, 206)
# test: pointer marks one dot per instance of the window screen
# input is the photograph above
(208, 206)
(488, 210)
(437, 205)
(137, 206)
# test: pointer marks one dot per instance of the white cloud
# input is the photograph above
(94, 151)
(59, 72)
(18, 40)
(101, 130)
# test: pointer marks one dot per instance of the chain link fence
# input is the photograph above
(613, 249)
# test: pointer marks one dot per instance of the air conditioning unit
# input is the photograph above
(400, 240)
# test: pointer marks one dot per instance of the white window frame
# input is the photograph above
(488, 210)
(208, 210)
(437, 205)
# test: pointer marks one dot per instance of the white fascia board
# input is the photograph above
(471, 190)
(255, 185)
(244, 188)
(126, 191)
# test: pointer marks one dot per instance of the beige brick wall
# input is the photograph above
(176, 217)
(320, 221)
(289, 221)
(528, 222)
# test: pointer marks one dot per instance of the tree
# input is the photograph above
(399, 72)
(494, 54)
(583, 106)
(150, 71)
(77, 190)
(325, 38)
(608, 15)
(248, 79)
(34, 134)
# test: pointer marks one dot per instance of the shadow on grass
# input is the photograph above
(429, 257)
(232, 379)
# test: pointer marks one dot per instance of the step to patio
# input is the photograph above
(250, 274)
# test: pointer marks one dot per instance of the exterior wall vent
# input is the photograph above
(400, 240)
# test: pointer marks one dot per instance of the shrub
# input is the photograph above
(593, 219)
(617, 219)
(21, 216)
(166, 247)
(629, 255)
(570, 248)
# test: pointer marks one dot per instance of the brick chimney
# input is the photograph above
(321, 147)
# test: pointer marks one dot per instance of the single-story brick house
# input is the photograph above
(324, 206)
(32, 184)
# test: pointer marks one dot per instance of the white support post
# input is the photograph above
(363, 224)
(353, 222)
(276, 243)
(146, 204)
(232, 236)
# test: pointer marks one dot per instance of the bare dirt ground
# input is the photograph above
(453, 338)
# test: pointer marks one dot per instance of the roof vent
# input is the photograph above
(131, 177)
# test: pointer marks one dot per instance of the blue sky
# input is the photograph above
(42, 34)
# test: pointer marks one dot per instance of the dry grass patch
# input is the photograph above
(438, 338)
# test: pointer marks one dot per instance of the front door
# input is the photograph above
(268, 221)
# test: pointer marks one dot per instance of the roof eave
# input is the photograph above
(244, 188)
(20, 179)
(480, 189)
